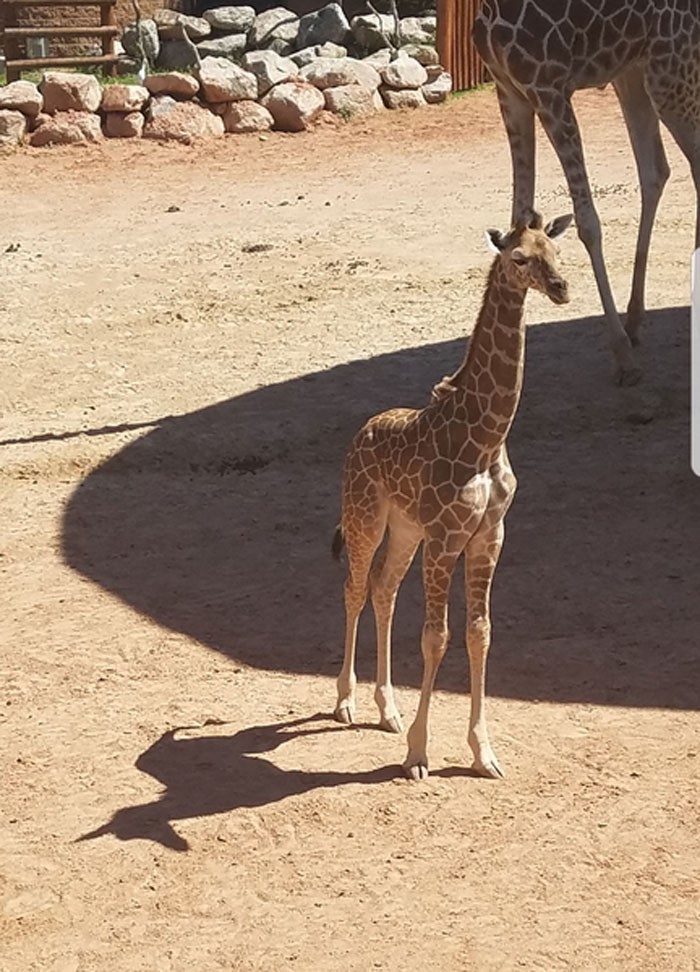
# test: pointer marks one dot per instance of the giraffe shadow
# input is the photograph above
(207, 775)
(217, 523)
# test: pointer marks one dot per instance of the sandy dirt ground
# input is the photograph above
(190, 337)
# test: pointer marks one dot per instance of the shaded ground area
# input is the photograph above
(175, 411)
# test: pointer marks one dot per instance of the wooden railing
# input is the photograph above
(15, 35)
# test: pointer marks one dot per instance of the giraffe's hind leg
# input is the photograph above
(386, 577)
(363, 526)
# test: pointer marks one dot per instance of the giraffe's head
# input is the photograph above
(529, 256)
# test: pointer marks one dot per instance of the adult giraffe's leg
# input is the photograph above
(519, 120)
(643, 127)
(385, 580)
(481, 558)
(438, 566)
(686, 133)
(559, 122)
(363, 530)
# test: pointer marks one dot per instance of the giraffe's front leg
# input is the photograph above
(481, 559)
(438, 565)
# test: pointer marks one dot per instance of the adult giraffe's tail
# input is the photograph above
(338, 543)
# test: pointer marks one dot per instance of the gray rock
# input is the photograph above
(349, 100)
(13, 127)
(22, 96)
(67, 128)
(231, 20)
(170, 24)
(181, 121)
(231, 46)
(294, 105)
(422, 53)
(221, 80)
(418, 30)
(330, 49)
(128, 125)
(327, 24)
(404, 72)
(143, 35)
(124, 97)
(369, 31)
(305, 56)
(64, 91)
(176, 56)
(276, 29)
(247, 116)
(437, 89)
(330, 72)
(379, 59)
(269, 68)
(176, 84)
(404, 98)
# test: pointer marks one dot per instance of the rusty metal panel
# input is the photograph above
(455, 19)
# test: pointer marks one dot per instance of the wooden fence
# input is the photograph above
(455, 19)
(16, 36)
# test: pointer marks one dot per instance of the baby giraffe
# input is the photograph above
(441, 475)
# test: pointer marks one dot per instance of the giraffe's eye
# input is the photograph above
(518, 258)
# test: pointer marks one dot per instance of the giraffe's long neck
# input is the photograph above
(490, 379)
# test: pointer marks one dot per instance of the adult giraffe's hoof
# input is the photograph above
(489, 769)
(416, 771)
(345, 713)
(391, 724)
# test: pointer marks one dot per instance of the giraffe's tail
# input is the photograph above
(338, 543)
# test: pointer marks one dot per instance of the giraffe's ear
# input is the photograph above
(496, 240)
(558, 226)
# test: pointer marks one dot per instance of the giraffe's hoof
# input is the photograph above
(345, 713)
(489, 769)
(625, 377)
(416, 771)
(391, 724)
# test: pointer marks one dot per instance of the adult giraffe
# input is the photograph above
(540, 52)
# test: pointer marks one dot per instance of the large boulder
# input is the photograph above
(127, 125)
(246, 116)
(124, 97)
(277, 29)
(404, 98)
(64, 91)
(371, 32)
(327, 24)
(174, 83)
(437, 88)
(176, 55)
(232, 46)
(294, 105)
(181, 121)
(230, 20)
(170, 24)
(423, 53)
(22, 96)
(330, 72)
(269, 68)
(66, 128)
(349, 100)
(13, 127)
(142, 36)
(308, 54)
(404, 72)
(418, 30)
(221, 80)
